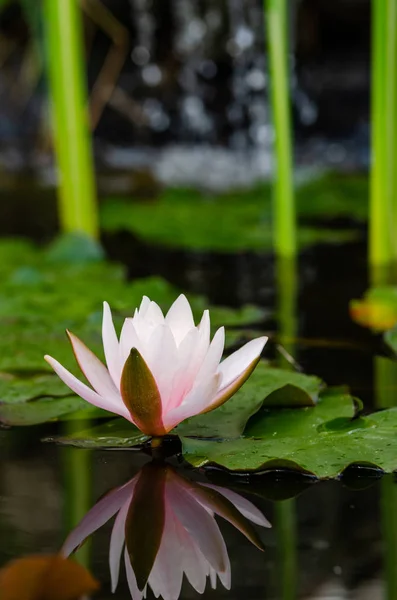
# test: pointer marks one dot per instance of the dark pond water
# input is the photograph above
(333, 540)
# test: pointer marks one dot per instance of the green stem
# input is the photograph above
(383, 199)
(284, 206)
(77, 470)
(77, 193)
(286, 546)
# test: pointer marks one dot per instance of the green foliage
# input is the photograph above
(235, 221)
(44, 292)
(322, 441)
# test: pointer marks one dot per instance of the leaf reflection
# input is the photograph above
(166, 526)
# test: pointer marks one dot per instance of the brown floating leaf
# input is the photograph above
(45, 577)
(145, 522)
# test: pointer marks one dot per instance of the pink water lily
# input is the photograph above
(162, 370)
(166, 526)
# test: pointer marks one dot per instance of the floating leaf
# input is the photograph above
(15, 390)
(117, 433)
(377, 310)
(43, 410)
(246, 224)
(322, 440)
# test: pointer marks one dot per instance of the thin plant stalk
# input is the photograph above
(383, 198)
(276, 12)
(386, 384)
(65, 57)
(287, 573)
(77, 476)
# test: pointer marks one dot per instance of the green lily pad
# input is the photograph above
(117, 433)
(246, 222)
(14, 390)
(322, 440)
(42, 410)
(266, 386)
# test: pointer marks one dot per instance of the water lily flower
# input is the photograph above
(162, 370)
(167, 528)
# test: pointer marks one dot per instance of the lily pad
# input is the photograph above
(322, 441)
(14, 390)
(266, 386)
(42, 410)
(377, 310)
(117, 433)
(246, 222)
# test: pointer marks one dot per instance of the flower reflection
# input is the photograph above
(167, 528)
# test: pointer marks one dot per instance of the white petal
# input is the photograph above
(134, 591)
(186, 372)
(82, 390)
(200, 525)
(129, 339)
(117, 541)
(162, 359)
(111, 345)
(98, 516)
(246, 507)
(195, 565)
(166, 576)
(144, 306)
(96, 372)
(154, 314)
(180, 318)
(194, 403)
(211, 361)
(235, 364)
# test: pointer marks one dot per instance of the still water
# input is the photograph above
(334, 539)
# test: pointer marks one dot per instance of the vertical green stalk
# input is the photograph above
(285, 511)
(386, 385)
(286, 548)
(77, 193)
(284, 206)
(77, 476)
(383, 200)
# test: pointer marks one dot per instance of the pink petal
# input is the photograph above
(235, 364)
(111, 345)
(129, 339)
(180, 318)
(166, 576)
(117, 541)
(96, 372)
(133, 587)
(200, 525)
(98, 516)
(195, 565)
(82, 390)
(225, 393)
(162, 360)
(194, 403)
(185, 375)
(246, 507)
(214, 354)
